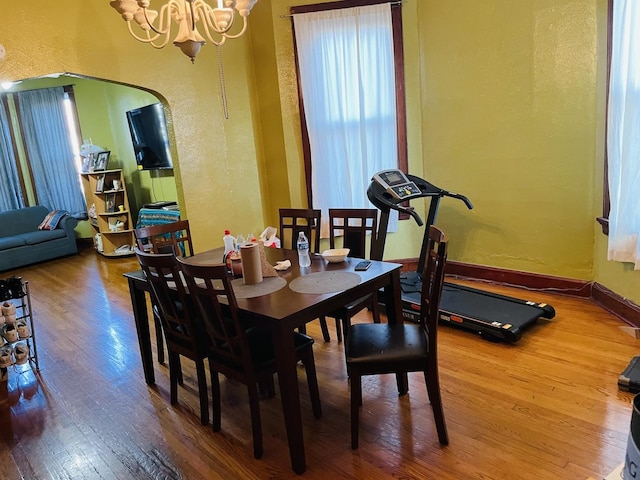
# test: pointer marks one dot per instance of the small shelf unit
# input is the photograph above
(109, 213)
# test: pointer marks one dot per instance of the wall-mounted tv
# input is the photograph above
(148, 127)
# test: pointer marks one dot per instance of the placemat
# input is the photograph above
(266, 286)
(325, 282)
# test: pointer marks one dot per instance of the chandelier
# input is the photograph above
(187, 15)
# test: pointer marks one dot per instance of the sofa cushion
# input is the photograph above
(40, 236)
(52, 219)
(22, 220)
(11, 242)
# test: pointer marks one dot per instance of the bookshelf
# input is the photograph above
(109, 213)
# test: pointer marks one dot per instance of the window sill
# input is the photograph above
(604, 222)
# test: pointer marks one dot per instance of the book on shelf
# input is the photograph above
(110, 203)
(100, 184)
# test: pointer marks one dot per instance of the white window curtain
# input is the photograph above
(10, 194)
(50, 150)
(347, 78)
(623, 141)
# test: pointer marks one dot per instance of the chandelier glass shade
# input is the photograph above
(155, 27)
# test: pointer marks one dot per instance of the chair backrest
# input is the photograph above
(295, 220)
(174, 237)
(211, 290)
(353, 225)
(432, 283)
(181, 326)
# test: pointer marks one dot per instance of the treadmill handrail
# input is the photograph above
(384, 201)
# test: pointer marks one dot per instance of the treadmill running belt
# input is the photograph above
(494, 316)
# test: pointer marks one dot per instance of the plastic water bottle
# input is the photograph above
(229, 243)
(239, 242)
(303, 250)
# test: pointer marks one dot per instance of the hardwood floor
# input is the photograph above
(547, 407)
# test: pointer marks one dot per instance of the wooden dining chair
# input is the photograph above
(379, 348)
(350, 228)
(182, 327)
(164, 238)
(307, 220)
(174, 237)
(242, 354)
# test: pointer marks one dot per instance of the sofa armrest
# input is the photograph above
(68, 224)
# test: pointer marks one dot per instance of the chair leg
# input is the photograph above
(159, 339)
(312, 382)
(267, 387)
(356, 401)
(339, 330)
(215, 394)
(325, 329)
(402, 380)
(174, 370)
(202, 390)
(375, 309)
(346, 324)
(256, 424)
(179, 376)
(433, 390)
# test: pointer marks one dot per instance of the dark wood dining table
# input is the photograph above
(283, 311)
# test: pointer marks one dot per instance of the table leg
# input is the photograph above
(141, 318)
(288, 380)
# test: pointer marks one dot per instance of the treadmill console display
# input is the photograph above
(396, 183)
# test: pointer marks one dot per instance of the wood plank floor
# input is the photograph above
(547, 407)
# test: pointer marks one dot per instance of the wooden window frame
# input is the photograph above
(606, 199)
(398, 55)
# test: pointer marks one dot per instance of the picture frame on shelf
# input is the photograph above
(100, 184)
(101, 161)
(110, 203)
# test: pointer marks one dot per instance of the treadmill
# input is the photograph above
(494, 317)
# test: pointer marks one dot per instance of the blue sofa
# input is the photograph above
(21, 243)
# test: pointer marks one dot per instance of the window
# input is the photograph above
(351, 79)
(623, 136)
(49, 136)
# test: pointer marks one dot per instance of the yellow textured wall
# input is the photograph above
(509, 100)
(216, 172)
(505, 105)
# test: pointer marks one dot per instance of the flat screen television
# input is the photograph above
(148, 127)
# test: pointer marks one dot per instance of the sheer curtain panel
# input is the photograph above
(347, 79)
(49, 148)
(623, 141)
(10, 194)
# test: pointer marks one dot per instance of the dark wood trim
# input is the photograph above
(534, 281)
(606, 199)
(306, 146)
(320, 7)
(622, 308)
(604, 223)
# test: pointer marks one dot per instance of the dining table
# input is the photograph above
(283, 303)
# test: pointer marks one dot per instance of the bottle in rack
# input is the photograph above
(303, 250)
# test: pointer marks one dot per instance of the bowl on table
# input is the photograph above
(335, 255)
